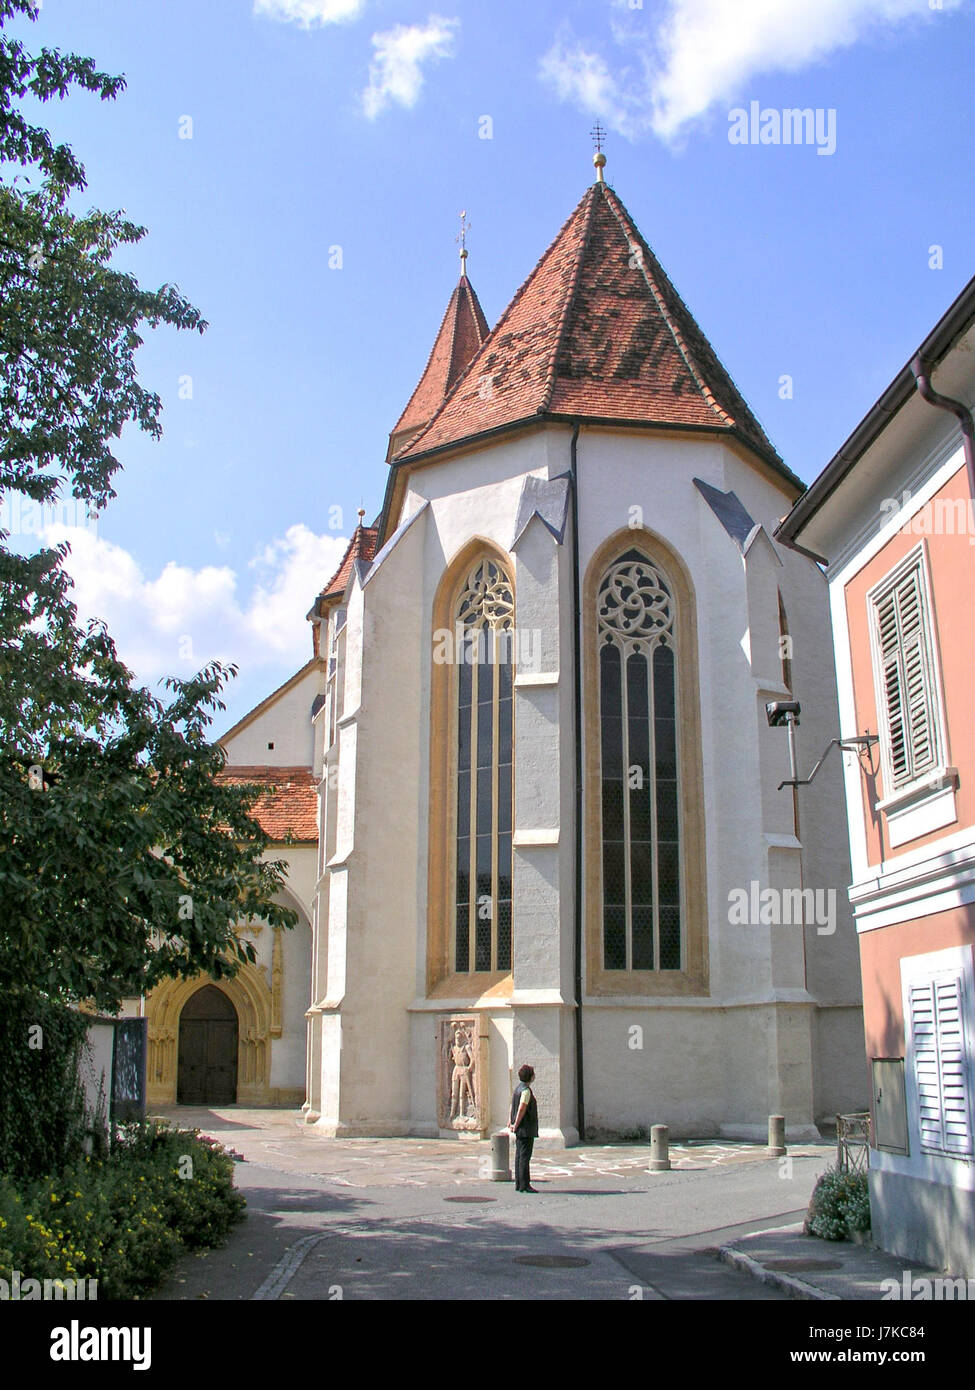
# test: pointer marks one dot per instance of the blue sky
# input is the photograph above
(359, 124)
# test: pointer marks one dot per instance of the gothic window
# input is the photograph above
(636, 639)
(483, 623)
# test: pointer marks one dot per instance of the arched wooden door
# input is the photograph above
(207, 1050)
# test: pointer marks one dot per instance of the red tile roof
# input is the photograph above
(291, 804)
(462, 332)
(362, 546)
(596, 331)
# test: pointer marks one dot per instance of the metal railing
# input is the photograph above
(853, 1142)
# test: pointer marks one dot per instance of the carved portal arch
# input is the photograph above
(249, 993)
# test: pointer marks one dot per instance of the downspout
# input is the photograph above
(577, 694)
(922, 375)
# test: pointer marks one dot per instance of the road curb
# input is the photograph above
(788, 1283)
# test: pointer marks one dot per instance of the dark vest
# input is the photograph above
(528, 1129)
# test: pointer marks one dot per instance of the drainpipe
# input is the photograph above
(577, 693)
(922, 375)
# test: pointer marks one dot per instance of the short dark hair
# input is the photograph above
(526, 1073)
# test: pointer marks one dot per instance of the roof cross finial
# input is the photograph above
(461, 236)
(598, 134)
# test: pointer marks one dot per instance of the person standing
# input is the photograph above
(524, 1126)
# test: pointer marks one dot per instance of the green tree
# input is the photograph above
(122, 858)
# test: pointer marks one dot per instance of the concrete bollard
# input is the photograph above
(776, 1136)
(500, 1157)
(659, 1149)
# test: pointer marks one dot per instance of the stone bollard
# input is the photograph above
(776, 1136)
(500, 1157)
(659, 1149)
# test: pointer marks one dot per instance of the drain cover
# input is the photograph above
(551, 1261)
(470, 1199)
(797, 1263)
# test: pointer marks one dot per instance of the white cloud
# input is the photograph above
(309, 13)
(175, 622)
(579, 75)
(702, 52)
(396, 73)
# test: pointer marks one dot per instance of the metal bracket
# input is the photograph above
(858, 744)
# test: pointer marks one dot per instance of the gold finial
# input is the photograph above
(362, 512)
(461, 236)
(599, 159)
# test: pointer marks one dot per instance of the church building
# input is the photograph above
(550, 826)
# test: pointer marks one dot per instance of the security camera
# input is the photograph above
(778, 712)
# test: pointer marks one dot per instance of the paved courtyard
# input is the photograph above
(420, 1219)
(278, 1139)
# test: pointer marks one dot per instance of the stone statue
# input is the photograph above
(462, 1102)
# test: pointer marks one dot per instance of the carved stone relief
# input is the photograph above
(462, 1080)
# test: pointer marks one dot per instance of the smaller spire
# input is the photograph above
(598, 134)
(461, 236)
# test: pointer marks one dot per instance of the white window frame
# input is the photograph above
(927, 801)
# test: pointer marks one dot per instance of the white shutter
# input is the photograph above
(941, 1066)
(955, 1089)
(908, 695)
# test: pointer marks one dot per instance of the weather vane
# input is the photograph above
(461, 236)
(598, 134)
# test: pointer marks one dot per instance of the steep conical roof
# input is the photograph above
(596, 332)
(462, 332)
(362, 546)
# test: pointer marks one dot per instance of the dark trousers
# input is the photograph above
(523, 1153)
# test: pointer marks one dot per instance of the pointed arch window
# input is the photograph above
(636, 636)
(484, 621)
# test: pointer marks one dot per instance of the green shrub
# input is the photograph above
(42, 1108)
(839, 1206)
(124, 1219)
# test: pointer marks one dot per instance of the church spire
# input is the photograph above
(460, 337)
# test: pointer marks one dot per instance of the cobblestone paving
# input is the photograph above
(278, 1138)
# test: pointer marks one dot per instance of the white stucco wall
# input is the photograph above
(756, 1043)
(286, 723)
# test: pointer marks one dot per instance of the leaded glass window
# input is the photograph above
(639, 767)
(484, 619)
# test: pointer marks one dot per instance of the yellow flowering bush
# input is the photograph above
(122, 1219)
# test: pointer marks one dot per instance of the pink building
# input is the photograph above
(891, 517)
